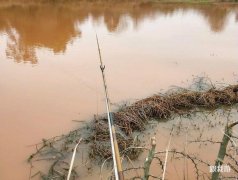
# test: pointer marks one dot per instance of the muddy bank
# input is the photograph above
(129, 120)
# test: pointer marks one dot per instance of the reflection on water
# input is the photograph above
(17, 50)
(31, 27)
(54, 27)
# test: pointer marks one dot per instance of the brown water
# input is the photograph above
(49, 68)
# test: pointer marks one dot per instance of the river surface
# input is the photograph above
(49, 64)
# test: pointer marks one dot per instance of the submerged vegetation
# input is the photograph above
(130, 119)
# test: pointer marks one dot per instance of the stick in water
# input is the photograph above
(167, 152)
(72, 159)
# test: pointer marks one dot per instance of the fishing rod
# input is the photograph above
(115, 150)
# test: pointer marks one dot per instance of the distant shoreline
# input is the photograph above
(10, 3)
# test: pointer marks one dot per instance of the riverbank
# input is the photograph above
(8, 3)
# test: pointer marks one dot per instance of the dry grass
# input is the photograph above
(135, 117)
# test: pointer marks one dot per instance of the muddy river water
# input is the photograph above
(49, 66)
